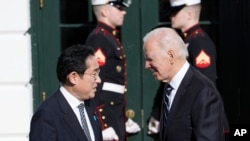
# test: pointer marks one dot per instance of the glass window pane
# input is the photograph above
(164, 6)
(73, 35)
(210, 10)
(74, 11)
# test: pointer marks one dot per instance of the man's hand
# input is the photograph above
(131, 126)
(109, 134)
(153, 126)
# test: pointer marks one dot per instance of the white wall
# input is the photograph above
(15, 70)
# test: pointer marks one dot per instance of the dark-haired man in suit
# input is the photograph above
(59, 118)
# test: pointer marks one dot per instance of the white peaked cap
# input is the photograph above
(99, 2)
(184, 2)
(124, 3)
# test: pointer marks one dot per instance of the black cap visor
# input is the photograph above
(175, 10)
(118, 3)
(118, 6)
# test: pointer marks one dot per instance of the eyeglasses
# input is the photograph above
(95, 75)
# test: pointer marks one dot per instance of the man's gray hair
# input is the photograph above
(167, 39)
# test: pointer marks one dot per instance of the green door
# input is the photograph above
(45, 35)
(57, 24)
(141, 17)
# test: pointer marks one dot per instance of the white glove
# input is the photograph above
(153, 126)
(131, 126)
(109, 134)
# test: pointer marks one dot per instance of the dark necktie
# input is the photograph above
(84, 122)
(166, 105)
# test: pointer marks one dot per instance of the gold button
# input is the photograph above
(103, 117)
(185, 34)
(105, 125)
(112, 103)
(100, 110)
(125, 89)
(130, 113)
(120, 57)
(118, 68)
(114, 32)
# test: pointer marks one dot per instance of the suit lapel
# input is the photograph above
(92, 117)
(179, 94)
(177, 101)
(70, 117)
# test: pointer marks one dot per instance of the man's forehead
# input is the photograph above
(151, 54)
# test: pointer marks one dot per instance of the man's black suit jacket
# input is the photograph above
(56, 121)
(196, 112)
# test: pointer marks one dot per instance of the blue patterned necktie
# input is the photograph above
(84, 122)
(167, 91)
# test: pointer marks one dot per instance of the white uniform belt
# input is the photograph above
(113, 87)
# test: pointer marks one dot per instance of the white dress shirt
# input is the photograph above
(176, 81)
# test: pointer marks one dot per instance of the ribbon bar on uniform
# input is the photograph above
(113, 87)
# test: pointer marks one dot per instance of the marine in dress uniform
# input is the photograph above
(110, 95)
(202, 51)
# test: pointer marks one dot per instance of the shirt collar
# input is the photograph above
(73, 101)
(106, 27)
(175, 82)
(191, 30)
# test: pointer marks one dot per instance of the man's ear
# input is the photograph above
(104, 11)
(171, 55)
(73, 77)
(190, 14)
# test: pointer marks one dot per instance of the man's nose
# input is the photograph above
(147, 65)
(98, 79)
